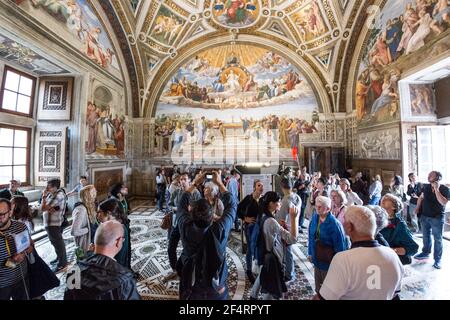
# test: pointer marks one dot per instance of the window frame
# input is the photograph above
(28, 148)
(33, 92)
(422, 175)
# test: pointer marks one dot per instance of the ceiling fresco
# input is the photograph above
(158, 37)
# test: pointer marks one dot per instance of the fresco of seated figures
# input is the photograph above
(405, 32)
(236, 94)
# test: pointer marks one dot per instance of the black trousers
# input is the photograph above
(16, 291)
(173, 244)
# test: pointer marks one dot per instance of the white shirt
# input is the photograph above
(353, 199)
(160, 179)
(363, 273)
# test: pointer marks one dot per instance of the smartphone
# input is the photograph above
(209, 176)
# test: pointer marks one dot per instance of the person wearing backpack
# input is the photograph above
(101, 276)
(119, 192)
(202, 265)
(270, 248)
(53, 206)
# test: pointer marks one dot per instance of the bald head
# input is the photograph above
(108, 233)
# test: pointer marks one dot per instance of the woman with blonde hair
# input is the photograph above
(84, 220)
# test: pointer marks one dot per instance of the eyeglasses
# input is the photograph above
(2, 214)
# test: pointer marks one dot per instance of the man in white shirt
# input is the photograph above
(368, 271)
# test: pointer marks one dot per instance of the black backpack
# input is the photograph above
(66, 208)
(204, 267)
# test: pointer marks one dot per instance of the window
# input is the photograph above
(433, 145)
(14, 154)
(17, 92)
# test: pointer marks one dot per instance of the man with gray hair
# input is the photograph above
(368, 271)
(101, 277)
(382, 220)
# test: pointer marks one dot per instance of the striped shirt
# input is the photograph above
(56, 218)
(10, 276)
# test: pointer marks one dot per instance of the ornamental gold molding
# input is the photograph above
(150, 15)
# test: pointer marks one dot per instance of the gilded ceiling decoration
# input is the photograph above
(315, 30)
(158, 36)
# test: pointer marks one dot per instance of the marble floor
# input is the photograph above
(149, 258)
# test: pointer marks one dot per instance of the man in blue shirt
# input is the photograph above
(431, 206)
(194, 224)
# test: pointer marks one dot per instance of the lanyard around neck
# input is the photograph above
(6, 242)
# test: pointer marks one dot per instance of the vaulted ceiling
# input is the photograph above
(162, 34)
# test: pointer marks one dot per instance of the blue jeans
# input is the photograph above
(414, 222)
(375, 200)
(160, 200)
(251, 242)
(433, 226)
(301, 219)
(289, 269)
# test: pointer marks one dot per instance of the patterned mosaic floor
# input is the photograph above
(149, 258)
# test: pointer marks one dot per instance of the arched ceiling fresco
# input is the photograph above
(170, 32)
(159, 36)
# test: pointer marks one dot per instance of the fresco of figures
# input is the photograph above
(18, 53)
(166, 26)
(422, 100)
(105, 131)
(310, 22)
(81, 21)
(380, 144)
(236, 13)
(237, 93)
(186, 129)
(237, 76)
(404, 29)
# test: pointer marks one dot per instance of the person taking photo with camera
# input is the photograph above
(431, 209)
(53, 207)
